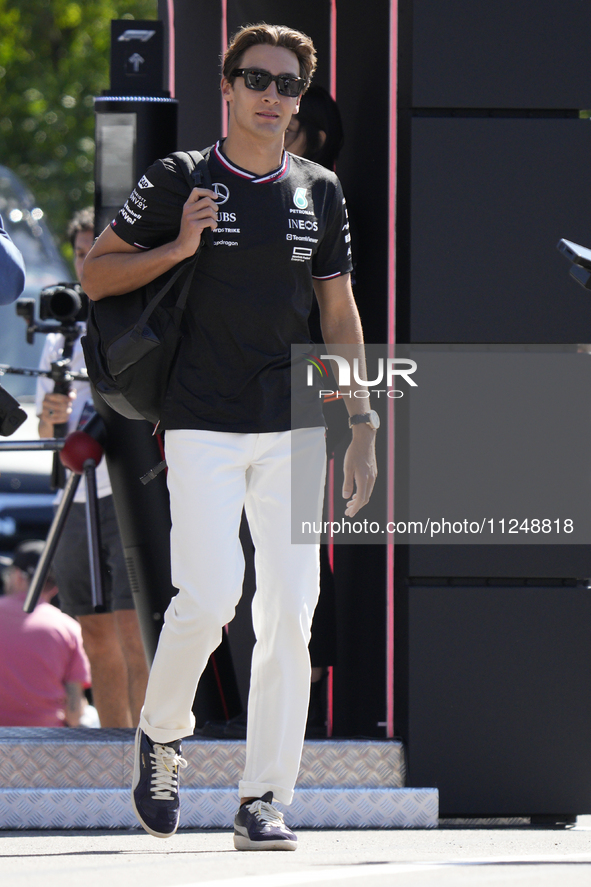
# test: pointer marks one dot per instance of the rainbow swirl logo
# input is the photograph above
(315, 362)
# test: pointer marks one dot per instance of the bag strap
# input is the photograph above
(156, 299)
(196, 172)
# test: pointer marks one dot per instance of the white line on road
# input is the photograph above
(317, 876)
(320, 876)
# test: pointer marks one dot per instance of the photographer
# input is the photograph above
(112, 639)
(12, 269)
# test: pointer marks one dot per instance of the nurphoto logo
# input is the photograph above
(389, 369)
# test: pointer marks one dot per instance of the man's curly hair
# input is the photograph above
(271, 35)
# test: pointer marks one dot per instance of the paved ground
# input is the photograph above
(447, 857)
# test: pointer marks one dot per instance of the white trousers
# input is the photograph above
(211, 477)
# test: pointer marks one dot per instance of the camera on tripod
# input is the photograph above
(64, 302)
(65, 306)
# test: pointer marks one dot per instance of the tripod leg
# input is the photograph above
(53, 537)
(58, 474)
(94, 536)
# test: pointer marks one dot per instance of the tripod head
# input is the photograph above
(62, 310)
(64, 303)
(65, 307)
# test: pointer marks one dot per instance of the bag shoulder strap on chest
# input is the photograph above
(194, 167)
(131, 341)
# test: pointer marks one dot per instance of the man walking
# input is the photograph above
(227, 419)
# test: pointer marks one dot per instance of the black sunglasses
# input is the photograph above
(255, 78)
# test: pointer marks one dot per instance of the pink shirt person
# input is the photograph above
(43, 666)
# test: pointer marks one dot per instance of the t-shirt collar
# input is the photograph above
(273, 176)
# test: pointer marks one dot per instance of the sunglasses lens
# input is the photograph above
(288, 86)
(258, 80)
(261, 80)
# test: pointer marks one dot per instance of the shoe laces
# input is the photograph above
(266, 813)
(167, 761)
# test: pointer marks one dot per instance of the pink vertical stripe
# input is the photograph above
(171, 48)
(329, 697)
(224, 38)
(391, 341)
(330, 515)
(333, 92)
(333, 48)
(330, 547)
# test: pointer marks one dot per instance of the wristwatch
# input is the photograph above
(372, 419)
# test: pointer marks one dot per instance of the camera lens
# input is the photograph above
(63, 303)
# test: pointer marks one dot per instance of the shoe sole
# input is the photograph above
(243, 843)
(134, 783)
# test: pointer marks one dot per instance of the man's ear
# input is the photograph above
(321, 137)
(226, 88)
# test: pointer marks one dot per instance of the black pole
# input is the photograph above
(146, 117)
(93, 531)
(143, 514)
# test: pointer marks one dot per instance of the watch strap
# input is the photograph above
(359, 419)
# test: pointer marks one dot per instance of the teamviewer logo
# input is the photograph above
(301, 254)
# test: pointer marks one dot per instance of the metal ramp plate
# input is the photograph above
(58, 778)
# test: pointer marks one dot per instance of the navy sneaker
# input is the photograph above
(155, 788)
(260, 826)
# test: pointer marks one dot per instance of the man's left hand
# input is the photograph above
(360, 469)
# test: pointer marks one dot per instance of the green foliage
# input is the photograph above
(54, 58)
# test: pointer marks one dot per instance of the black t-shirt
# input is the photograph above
(252, 293)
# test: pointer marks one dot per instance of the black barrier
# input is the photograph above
(362, 93)
(136, 123)
(490, 644)
(136, 119)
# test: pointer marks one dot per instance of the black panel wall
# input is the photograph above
(526, 54)
(493, 170)
(360, 571)
(492, 643)
(362, 63)
(499, 682)
(197, 71)
(490, 199)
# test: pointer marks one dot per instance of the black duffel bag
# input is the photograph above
(131, 340)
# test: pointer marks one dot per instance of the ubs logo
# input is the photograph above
(222, 191)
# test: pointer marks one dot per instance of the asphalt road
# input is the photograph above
(446, 857)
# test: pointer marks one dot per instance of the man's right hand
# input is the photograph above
(113, 267)
(199, 212)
